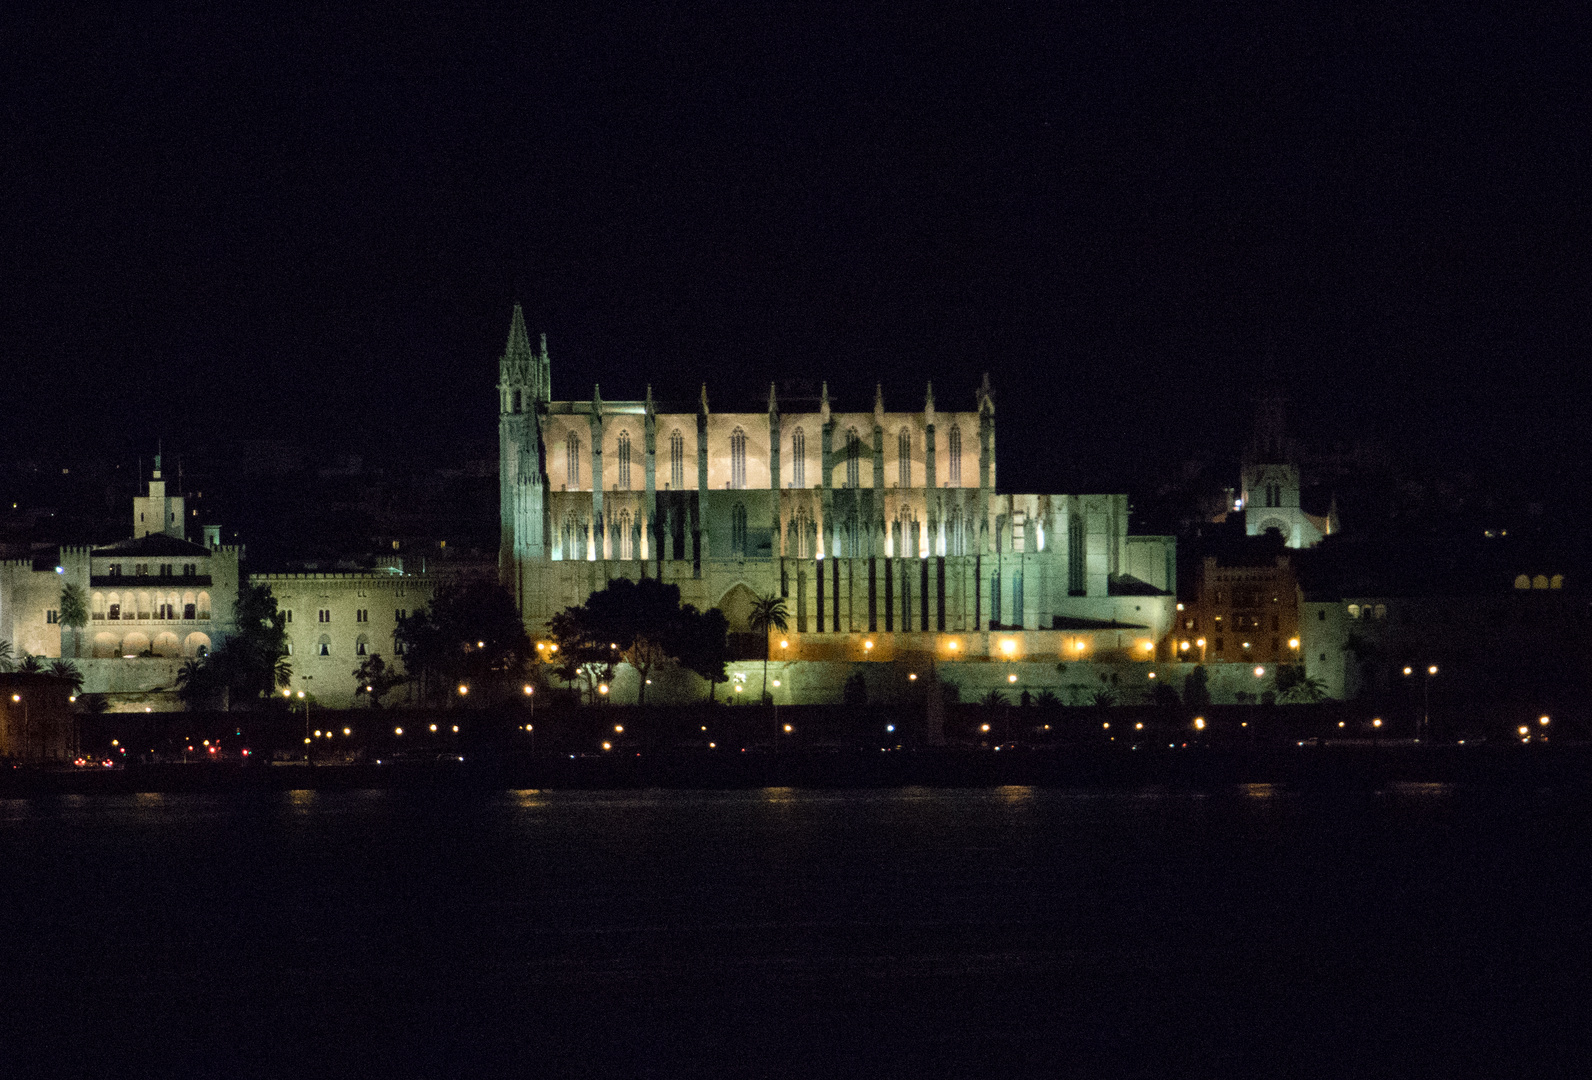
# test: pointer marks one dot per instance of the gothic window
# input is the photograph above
(853, 459)
(516, 401)
(572, 448)
(624, 461)
(955, 440)
(626, 548)
(904, 456)
(677, 460)
(738, 530)
(798, 453)
(737, 459)
(324, 648)
(569, 536)
(853, 541)
(955, 537)
(362, 646)
(800, 526)
(1075, 556)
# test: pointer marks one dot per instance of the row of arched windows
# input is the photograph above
(798, 463)
(143, 605)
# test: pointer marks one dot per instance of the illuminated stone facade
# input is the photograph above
(876, 526)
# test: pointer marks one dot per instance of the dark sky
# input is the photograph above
(215, 223)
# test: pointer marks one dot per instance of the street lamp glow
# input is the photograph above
(397, 731)
(1200, 642)
(348, 731)
(529, 690)
(1524, 729)
(619, 729)
(776, 682)
(1139, 726)
(1008, 646)
(952, 645)
(433, 727)
(1260, 672)
(1376, 722)
(1199, 723)
(1183, 646)
(608, 746)
(455, 729)
(983, 727)
(912, 676)
(1407, 671)
(1432, 670)
(463, 689)
(1011, 678)
(867, 644)
(602, 688)
(787, 729)
(1293, 643)
(1543, 720)
(784, 644)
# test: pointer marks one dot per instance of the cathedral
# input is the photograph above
(884, 531)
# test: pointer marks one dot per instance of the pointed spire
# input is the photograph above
(650, 409)
(928, 403)
(823, 404)
(596, 400)
(986, 396)
(703, 407)
(519, 344)
(773, 401)
(878, 404)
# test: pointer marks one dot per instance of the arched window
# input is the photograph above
(624, 461)
(625, 549)
(738, 459)
(516, 401)
(677, 460)
(798, 458)
(1354, 611)
(955, 439)
(362, 646)
(1521, 582)
(324, 647)
(572, 451)
(904, 457)
(1540, 581)
(955, 539)
(738, 530)
(853, 459)
(1556, 581)
(204, 606)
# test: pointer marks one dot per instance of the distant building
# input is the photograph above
(1270, 495)
(36, 719)
(1244, 609)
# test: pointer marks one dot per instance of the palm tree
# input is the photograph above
(30, 665)
(768, 612)
(7, 662)
(74, 615)
(65, 669)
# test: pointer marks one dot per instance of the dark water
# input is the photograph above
(1422, 930)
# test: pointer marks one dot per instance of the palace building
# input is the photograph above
(884, 531)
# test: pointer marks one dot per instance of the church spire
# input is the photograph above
(519, 345)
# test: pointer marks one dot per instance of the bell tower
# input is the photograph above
(524, 389)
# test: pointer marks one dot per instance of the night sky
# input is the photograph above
(216, 224)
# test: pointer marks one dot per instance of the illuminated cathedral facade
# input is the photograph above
(884, 531)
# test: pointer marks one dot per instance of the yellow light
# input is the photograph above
(1199, 723)
(347, 731)
(1406, 671)
(983, 727)
(1011, 678)
(1377, 722)
(1200, 643)
(301, 693)
(912, 676)
(1246, 644)
(287, 693)
(1147, 645)
(619, 729)
(1183, 646)
(602, 688)
(1524, 729)
(1260, 672)
(737, 689)
(541, 645)
(784, 644)
(317, 735)
(455, 729)
(1432, 670)
(608, 746)
(306, 739)
(480, 644)
(463, 689)
(397, 731)
(952, 645)
(1106, 724)
(1293, 643)
(115, 743)
(1180, 607)
(433, 727)
(1008, 646)
(1340, 723)
(1078, 645)
(776, 682)
(1139, 726)
(553, 647)
(713, 746)
(16, 697)
(1543, 720)
(867, 644)
(1152, 674)
(787, 728)
(529, 691)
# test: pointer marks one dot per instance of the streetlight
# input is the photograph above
(1426, 699)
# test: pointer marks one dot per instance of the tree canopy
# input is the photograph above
(641, 623)
(471, 634)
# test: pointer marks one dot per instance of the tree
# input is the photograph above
(583, 654)
(65, 669)
(642, 621)
(1104, 699)
(705, 645)
(470, 633)
(1196, 690)
(768, 612)
(7, 661)
(30, 665)
(1294, 685)
(993, 700)
(1047, 699)
(375, 679)
(253, 663)
(74, 614)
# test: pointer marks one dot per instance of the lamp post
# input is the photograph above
(1426, 699)
(18, 698)
(305, 695)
